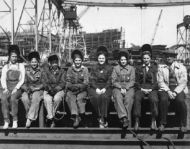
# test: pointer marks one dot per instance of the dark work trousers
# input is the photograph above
(153, 99)
(100, 103)
(9, 101)
(180, 107)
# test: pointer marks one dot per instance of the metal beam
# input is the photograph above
(127, 3)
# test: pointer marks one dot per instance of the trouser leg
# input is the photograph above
(153, 98)
(81, 102)
(128, 102)
(118, 103)
(14, 104)
(57, 100)
(181, 108)
(5, 107)
(48, 102)
(35, 103)
(95, 101)
(163, 106)
(139, 95)
(104, 103)
(26, 102)
(71, 100)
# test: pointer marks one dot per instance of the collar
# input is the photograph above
(77, 69)
(54, 71)
(175, 65)
(146, 65)
(126, 67)
(10, 64)
(34, 70)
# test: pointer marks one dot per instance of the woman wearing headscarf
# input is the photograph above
(33, 88)
(123, 80)
(146, 85)
(12, 78)
(100, 86)
(77, 81)
(54, 85)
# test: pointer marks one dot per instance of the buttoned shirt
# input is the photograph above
(33, 78)
(146, 79)
(123, 77)
(180, 72)
(101, 76)
(77, 78)
(54, 80)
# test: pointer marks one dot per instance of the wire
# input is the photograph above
(140, 139)
(171, 142)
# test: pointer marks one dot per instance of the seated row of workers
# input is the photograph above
(125, 84)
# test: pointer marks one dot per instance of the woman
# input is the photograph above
(54, 85)
(123, 80)
(100, 86)
(33, 88)
(12, 78)
(146, 85)
(77, 81)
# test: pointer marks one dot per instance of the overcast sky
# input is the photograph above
(138, 24)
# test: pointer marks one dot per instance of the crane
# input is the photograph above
(156, 27)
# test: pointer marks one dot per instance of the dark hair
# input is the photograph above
(34, 54)
(13, 49)
(102, 50)
(77, 53)
(123, 53)
(53, 57)
(146, 50)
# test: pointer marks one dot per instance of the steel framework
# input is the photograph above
(183, 39)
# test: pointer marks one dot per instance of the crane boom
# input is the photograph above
(156, 27)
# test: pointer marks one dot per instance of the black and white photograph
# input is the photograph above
(95, 74)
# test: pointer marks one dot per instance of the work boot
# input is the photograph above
(103, 123)
(50, 123)
(161, 128)
(183, 129)
(153, 125)
(83, 122)
(28, 123)
(6, 125)
(136, 127)
(76, 121)
(15, 125)
(125, 122)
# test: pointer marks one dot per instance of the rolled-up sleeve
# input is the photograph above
(4, 77)
(114, 78)
(131, 82)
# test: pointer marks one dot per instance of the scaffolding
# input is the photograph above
(113, 39)
(183, 39)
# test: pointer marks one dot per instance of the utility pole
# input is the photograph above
(12, 22)
(36, 25)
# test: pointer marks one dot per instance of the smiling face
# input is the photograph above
(146, 59)
(101, 59)
(77, 62)
(123, 61)
(13, 58)
(34, 63)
